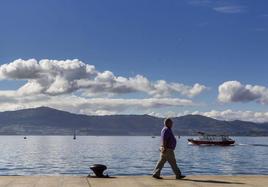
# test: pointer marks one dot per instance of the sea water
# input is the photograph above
(127, 155)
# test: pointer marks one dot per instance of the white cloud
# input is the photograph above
(230, 9)
(225, 7)
(20, 69)
(92, 106)
(75, 86)
(237, 115)
(55, 77)
(234, 91)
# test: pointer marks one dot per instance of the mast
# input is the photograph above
(74, 134)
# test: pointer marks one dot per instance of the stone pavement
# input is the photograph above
(133, 181)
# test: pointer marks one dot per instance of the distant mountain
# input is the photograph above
(49, 121)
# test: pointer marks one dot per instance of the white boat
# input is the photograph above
(211, 139)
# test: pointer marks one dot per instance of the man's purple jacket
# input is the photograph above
(168, 138)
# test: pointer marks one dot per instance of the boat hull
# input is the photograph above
(203, 142)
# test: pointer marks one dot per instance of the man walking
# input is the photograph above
(168, 145)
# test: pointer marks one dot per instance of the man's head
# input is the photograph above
(168, 123)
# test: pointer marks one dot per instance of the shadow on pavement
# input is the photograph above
(212, 181)
(101, 177)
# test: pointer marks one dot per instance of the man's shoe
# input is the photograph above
(180, 177)
(157, 177)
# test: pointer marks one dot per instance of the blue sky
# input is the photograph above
(187, 41)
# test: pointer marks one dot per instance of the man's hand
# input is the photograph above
(162, 149)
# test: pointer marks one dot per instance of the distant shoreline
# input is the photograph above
(49, 121)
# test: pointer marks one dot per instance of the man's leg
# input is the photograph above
(172, 161)
(160, 164)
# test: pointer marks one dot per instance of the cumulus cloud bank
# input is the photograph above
(92, 106)
(237, 115)
(55, 77)
(78, 87)
(234, 91)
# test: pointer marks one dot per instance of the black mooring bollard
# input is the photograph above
(98, 170)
